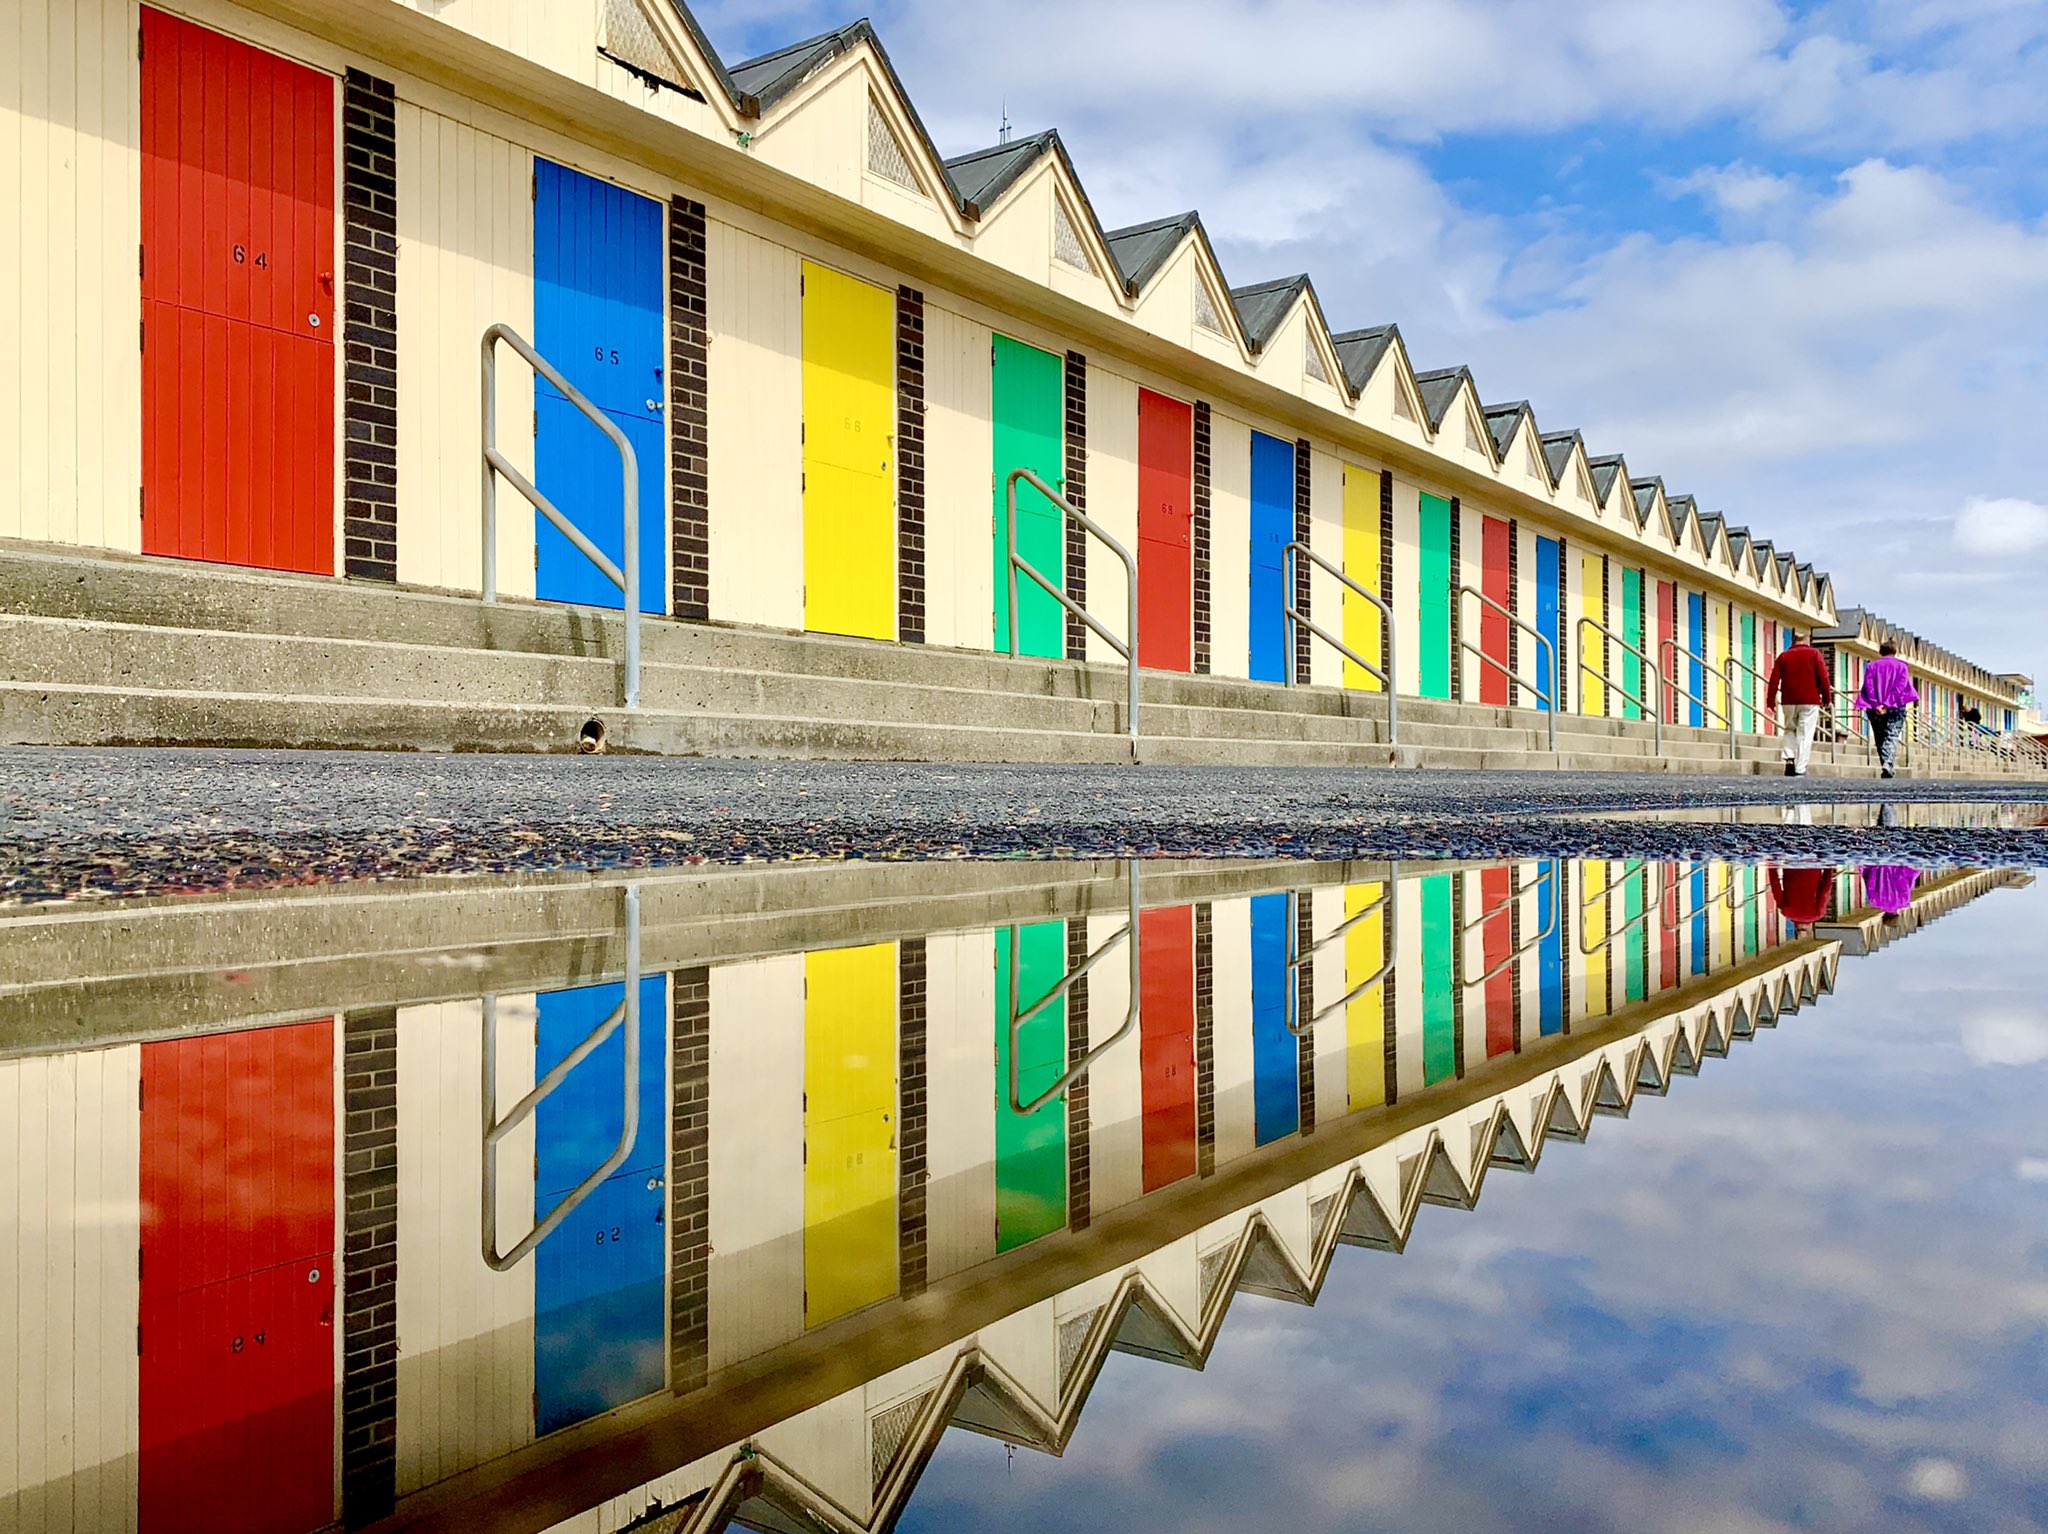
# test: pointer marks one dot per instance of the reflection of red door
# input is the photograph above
(1166, 550)
(1166, 1042)
(237, 302)
(1493, 626)
(237, 1340)
(1497, 941)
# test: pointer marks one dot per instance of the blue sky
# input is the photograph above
(1793, 258)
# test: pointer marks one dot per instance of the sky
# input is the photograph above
(1793, 258)
(1804, 1292)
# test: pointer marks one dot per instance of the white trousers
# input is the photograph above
(1799, 721)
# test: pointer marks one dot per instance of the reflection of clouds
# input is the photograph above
(1786, 1297)
(2006, 1037)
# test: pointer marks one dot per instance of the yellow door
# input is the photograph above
(1592, 643)
(1717, 652)
(849, 1130)
(1596, 909)
(1362, 564)
(849, 347)
(1365, 1017)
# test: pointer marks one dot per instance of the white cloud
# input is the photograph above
(2033, 1169)
(2001, 528)
(1740, 189)
(2006, 1038)
(1937, 1480)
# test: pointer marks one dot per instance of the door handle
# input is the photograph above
(654, 405)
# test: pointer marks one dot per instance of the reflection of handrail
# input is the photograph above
(1126, 647)
(1295, 616)
(1548, 875)
(496, 463)
(1548, 699)
(1653, 895)
(1656, 677)
(1727, 890)
(495, 1128)
(1296, 955)
(1067, 982)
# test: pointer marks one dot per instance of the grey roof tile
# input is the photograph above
(1360, 352)
(1557, 452)
(1605, 468)
(1140, 250)
(1501, 422)
(1438, 389)
(1264, 305)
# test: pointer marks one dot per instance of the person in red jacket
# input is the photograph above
(1800, 680)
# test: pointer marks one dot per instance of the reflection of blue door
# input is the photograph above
(1696, 641)
(1272, 531)
(1276, 1054)
(597, 316)
(1549, 604)
(1550, 954)
(598, 1298)
(1700, 955)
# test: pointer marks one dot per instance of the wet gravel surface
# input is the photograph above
(106, 823)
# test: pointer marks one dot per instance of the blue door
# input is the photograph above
(1272, 531)
(1696, 641)
(597, 316)
(598, 1292)
(1550, 953)
(1549, 606)
(1276, 1053)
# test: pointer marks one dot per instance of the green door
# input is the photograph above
(1028, 400)
(1749, 687)
(1635, 971)
(1439, 979)
(1031, 1148)
(1632, 631)
(1433, 600)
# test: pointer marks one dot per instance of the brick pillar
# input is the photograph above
(1200, 536)
(689, 1184)
(689, 397)
(1205, 1042)
(1567, 660)
(910, 465)
(1515, 694)
(913, 1175)
(1303, 588)
(369, 1263)
(1515, 946)
(1078, 1179)
(1304, 1008)
(1458, 968)
(1387, 571)
(1457, 604)
(369, 374)
(1564, 891)
(1076, 394)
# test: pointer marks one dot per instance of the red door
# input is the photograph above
(1494, 538)
(1497, 941)
(237, 1339)
(1669, 927)
(1166, 545)
(1667, 653)
(1166, 1043)
(237, 302)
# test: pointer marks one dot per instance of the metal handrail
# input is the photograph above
(1549, 874)
(1548, 699)
(1127, 648)
(495, 463)
(495, 1128)
(1296, 955)
(1297, 617)
(1674, 649)
(1761, 710)
(1068, 981)
(1656, 677)
(1653, 897)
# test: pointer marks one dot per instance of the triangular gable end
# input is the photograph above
(1067, 248)
(886, 156)
(633, 35)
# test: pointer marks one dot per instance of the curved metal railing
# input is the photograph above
(1549, 699)
(1127, 646)
(1656, 677)
(1289, 577)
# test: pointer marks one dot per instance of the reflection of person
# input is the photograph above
(1802, 895)
(1889, 887)
(1888, 691)
(1799, 677)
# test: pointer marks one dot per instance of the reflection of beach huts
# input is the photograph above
(746, 1187)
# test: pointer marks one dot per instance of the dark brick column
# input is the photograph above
(1515, 946)
(910, 465)
(689, 395)
(369, 369)
(1567, 659)
(1302, 528)
(1606, 644)
(1200, 531)
(1515, 694)
(1457, 603)
(1390, 993)
(1076, 394)
(1565, 892)
(369, 1263)
(1304, 1008)
(1458, 967)
(1205, 1042)
(913, 1167)
(689, 1186)
(1387, 569)
(1078, 1171)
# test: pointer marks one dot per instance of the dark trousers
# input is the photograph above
(1886, 726)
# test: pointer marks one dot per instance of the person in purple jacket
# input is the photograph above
(1888, 691)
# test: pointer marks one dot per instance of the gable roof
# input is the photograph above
(1438, 388)
(1502, 421)
(1360, 351)
(1140, 250)
(1262, 307)
(1604, 468)
(1645, 492)
(1557, 451)
(981, 176)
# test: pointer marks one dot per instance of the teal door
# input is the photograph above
(1632, 630)
(1031, 1148)
(1433, 597)
(1027, 398)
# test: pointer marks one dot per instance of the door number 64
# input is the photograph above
(242, 255)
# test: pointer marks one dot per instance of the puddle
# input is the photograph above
(716, 1200)
(1867, 816)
